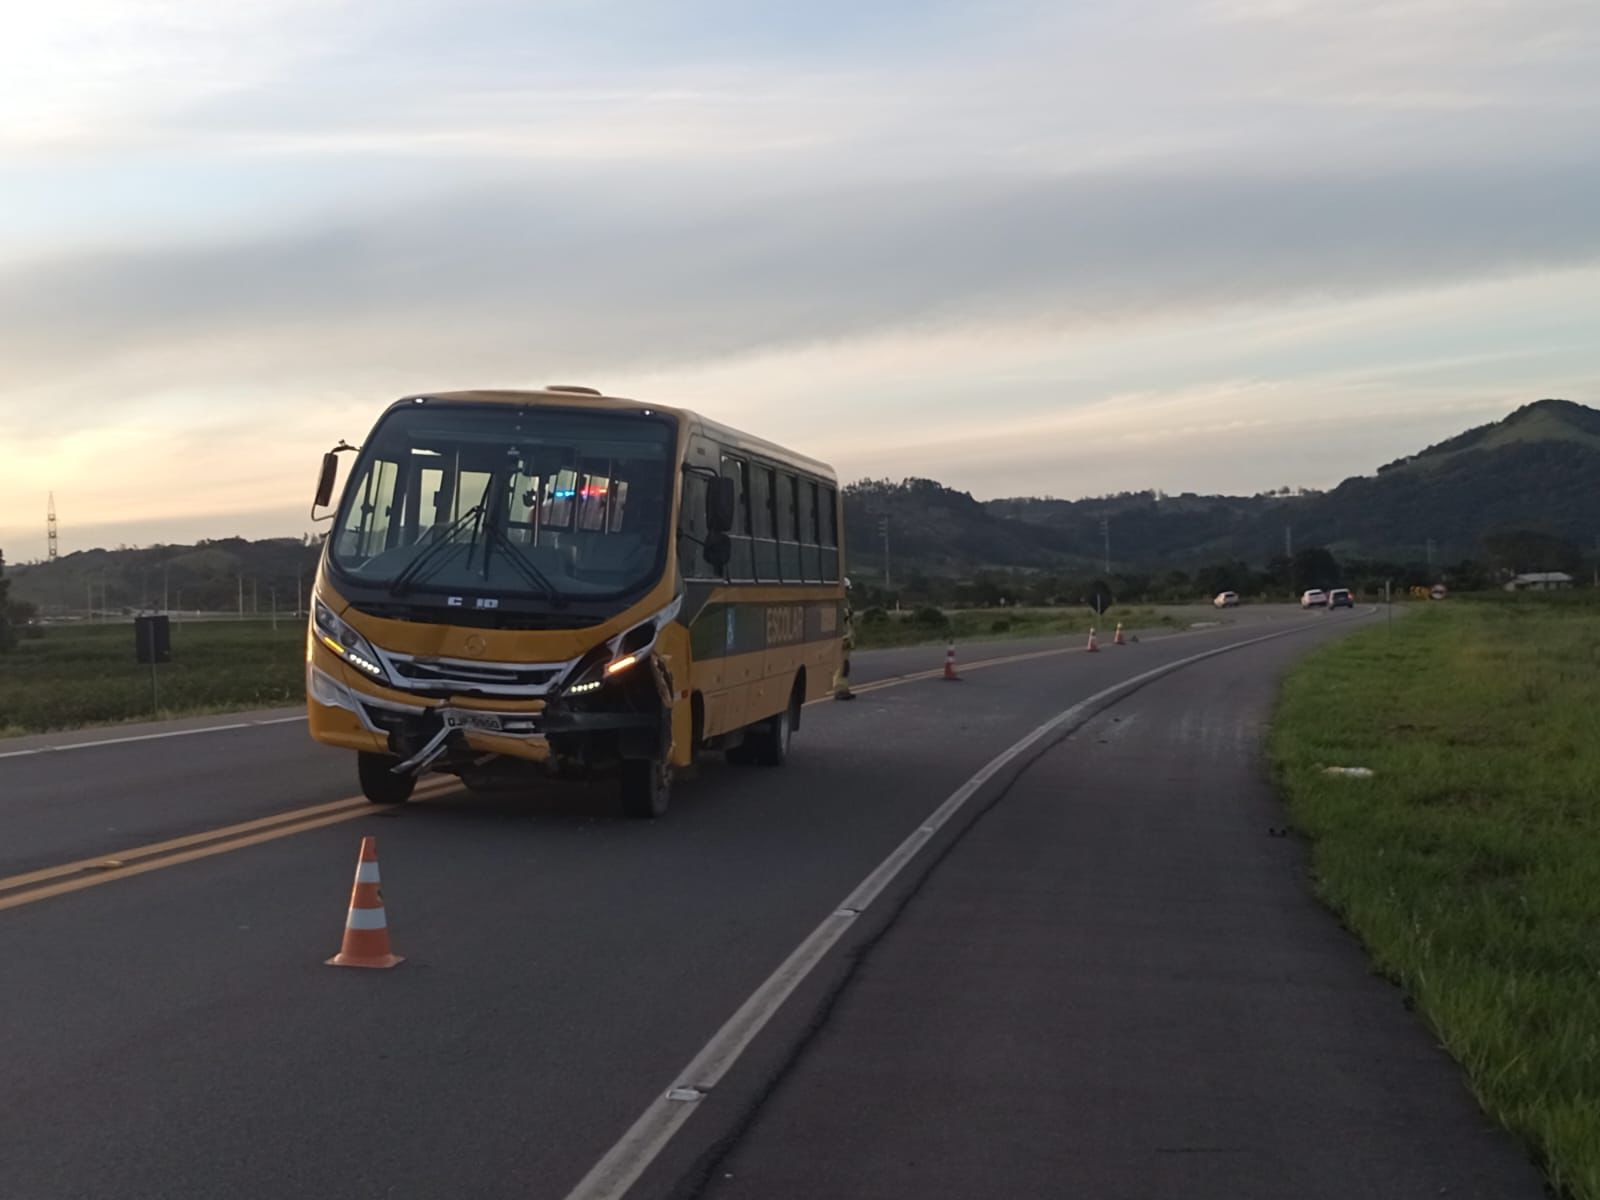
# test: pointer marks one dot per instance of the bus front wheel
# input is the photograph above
(646, 787)
(379, 783)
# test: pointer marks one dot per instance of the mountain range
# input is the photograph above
(1522, 493)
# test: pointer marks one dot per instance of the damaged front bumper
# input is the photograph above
(454, 738)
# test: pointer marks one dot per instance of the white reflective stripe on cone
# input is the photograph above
(367, 872)
(366, 918)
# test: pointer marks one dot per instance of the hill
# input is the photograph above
(1536, 470)
(211, 576)
(1542, 421)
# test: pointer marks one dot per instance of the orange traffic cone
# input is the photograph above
(1093, 647)
(366, 930)
(950, 664)
(1118, 641)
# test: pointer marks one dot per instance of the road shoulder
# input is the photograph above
(1119, 984)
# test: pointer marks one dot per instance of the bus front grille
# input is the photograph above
(450, 676)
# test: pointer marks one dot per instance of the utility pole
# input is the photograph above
(272, 591)
(164, 574)
(255, 597)
(1288, 553)
(1105, 532)
(50, 528)
(88, 587)
(883, 528)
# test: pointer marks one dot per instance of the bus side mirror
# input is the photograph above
(325, 481)
(718, 550)
(719, 505)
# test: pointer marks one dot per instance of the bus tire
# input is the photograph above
(379, 783)
(646, 788)
(769, 742)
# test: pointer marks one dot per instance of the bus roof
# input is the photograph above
(589, 398)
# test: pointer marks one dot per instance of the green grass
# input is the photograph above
(86, 674)
(1470, 863)
(984, 624)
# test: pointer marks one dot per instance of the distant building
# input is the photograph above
(1540, 581)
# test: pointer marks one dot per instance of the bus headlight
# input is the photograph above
(613, 658)
(599, 669)
(338, 635)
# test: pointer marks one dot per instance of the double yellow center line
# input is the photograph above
(17, 890)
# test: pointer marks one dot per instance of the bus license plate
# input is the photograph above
(482, 722)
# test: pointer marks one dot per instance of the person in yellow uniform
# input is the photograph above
(841, 677)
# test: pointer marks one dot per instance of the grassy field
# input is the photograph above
(984, 623)
(86, 674)
(1470, 862)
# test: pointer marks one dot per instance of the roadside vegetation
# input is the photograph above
(65, 676)
(1469, 863)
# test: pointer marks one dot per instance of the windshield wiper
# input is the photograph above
(433, 551)
(519, 559)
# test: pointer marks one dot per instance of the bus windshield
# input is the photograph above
(525, 505)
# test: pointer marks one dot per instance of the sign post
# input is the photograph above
(152, 643)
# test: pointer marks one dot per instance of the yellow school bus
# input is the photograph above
(560, 582)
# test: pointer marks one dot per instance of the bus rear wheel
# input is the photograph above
(379, 783)
(646, 787)
(768, 744)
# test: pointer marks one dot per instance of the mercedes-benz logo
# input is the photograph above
(475, 645)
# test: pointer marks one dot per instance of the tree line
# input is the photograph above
(1282, 578)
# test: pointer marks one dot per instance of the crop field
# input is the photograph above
(73, 675)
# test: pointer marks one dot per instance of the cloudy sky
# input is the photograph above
(1020, 247)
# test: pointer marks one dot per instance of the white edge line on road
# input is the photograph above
(138, 737)
(620, 1168)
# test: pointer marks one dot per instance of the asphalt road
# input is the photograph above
(1098, 976)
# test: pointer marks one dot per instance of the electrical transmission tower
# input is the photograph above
(50, 527)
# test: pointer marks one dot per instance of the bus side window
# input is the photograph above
(830, 535)
(788, 528)
(742, 564)
(560, 491)
(692, 524)
(619, 503)
(593, 493)
(810, 540)
(762, 528)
